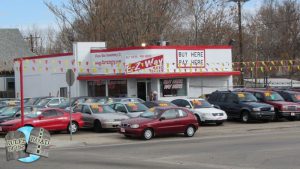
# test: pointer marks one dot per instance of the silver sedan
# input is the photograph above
(99, 116)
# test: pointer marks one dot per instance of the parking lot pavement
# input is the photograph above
(87, 137)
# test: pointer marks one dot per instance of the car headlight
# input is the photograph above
(284, 107)
(134, 126)
(256, 109)
(272, 109)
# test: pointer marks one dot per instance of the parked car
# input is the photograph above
(159, 103)
(131, 109)
(160, 121)
(128, 99)
(51, 119)
(242, 105)
(204, 111)
(13, 112)
(50, 102)
(283, 109)
(99, 116)
(290, 96)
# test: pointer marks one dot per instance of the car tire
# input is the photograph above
(219, 123)
(147, 134)
(245, 117)
(190, 131)
(73, 127)
(97, 126)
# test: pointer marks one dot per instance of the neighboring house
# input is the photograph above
(12, 45)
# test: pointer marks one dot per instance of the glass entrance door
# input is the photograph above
(143, 89)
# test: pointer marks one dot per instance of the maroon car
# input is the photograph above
(160, 121)
(51, 119)
(283, 109)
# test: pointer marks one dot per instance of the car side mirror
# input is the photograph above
(162, 118)
(88, 112)
(18, 115)
(40, 117)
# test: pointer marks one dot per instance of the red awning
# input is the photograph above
(166, 75)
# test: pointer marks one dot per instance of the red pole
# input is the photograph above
(22, 92)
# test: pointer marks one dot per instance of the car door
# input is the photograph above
(87, 116)
(167, 124)
(48, 120)
(181, 121)
(233, 106)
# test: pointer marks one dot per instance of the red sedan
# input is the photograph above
(49, 119)
(160, 121)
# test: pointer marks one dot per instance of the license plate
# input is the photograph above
(122, 130)
(292, 114)
(0, 128)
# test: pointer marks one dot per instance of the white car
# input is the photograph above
(131, 109)
(204, 111)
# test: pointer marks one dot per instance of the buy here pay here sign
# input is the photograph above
(190, 58)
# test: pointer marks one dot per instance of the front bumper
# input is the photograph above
(213, 119)
(263, 115)
(111, 125)
(289, 114)
(6, 129)
(131, 132)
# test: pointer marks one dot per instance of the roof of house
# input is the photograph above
(12, 45)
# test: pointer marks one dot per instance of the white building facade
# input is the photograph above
(171, 71)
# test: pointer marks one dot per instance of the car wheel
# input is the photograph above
(245, 117)
(219, 123)
(147, 134)
(190, 131)
(97, 126)
(73, 127)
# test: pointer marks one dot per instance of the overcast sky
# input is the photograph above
(25, 13)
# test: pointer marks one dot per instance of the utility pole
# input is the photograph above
(241, 58)
(32, 40)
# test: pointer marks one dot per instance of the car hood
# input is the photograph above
(256, 104)
(111, 116)
(284, 103)
(5, 118)
(138, 120)
(208, 110)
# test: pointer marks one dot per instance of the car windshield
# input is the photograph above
(151, 114)
(200, 104)
(135, 107)
(31, 101)
(9, 111)
(43, 102)
(246, 97)
(273, 96)
(295, 97)
(97, 109)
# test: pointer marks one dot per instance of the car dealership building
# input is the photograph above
(171, 71)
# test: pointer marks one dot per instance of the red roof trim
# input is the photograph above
(45, 56)
(162, 47)
(166, 75)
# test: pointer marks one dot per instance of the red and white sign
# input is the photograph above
(155, 63)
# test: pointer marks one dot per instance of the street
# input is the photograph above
(266, 149)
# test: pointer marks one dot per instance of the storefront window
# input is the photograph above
(96, 88)
(173, 87)
(117, 88)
